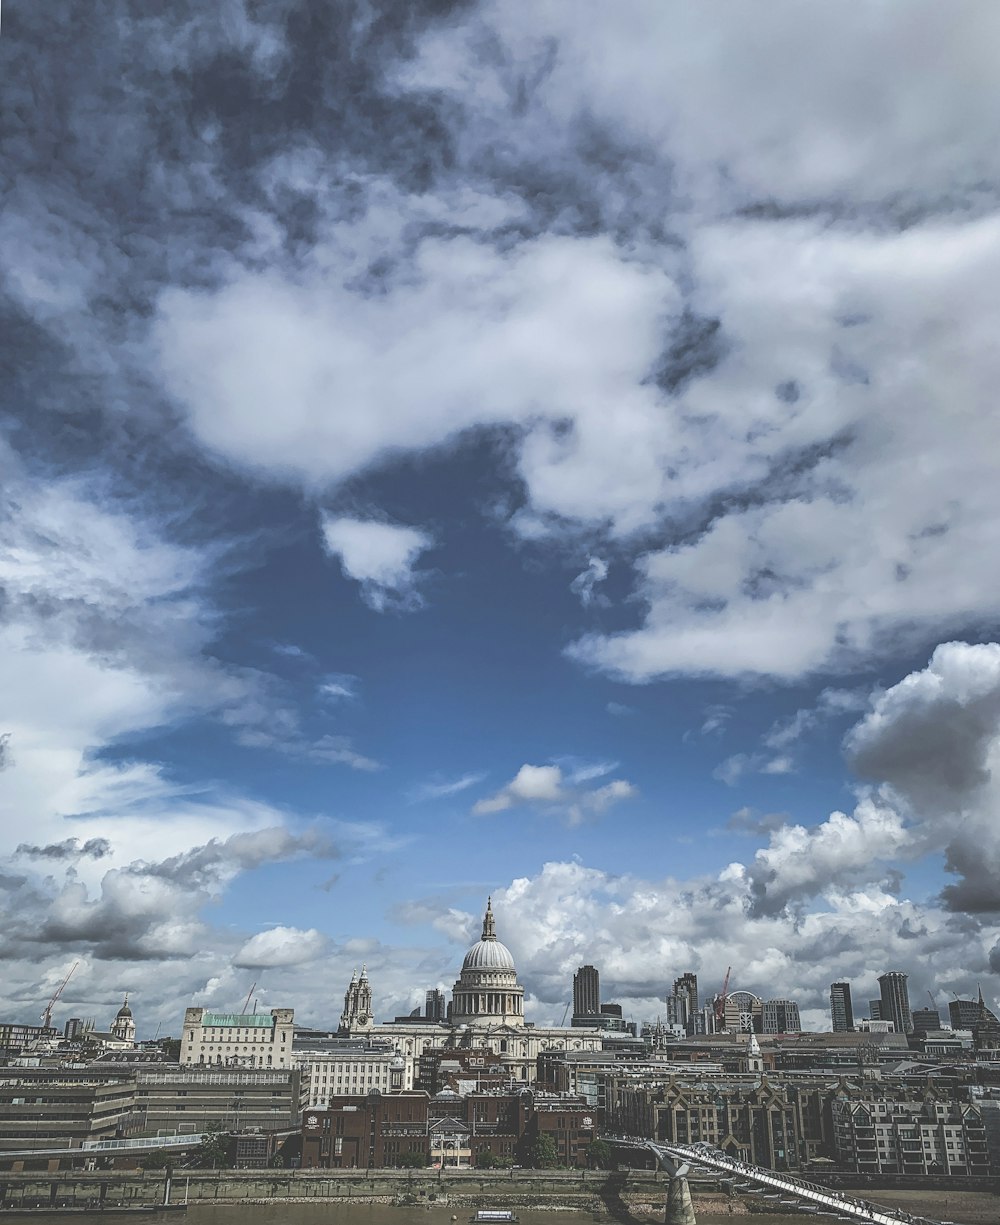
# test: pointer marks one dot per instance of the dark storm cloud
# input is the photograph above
(69, 848)
(202, 866)
(977, 891)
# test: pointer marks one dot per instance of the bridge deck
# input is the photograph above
(809, 1195)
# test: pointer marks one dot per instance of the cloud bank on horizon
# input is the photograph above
(398, 396)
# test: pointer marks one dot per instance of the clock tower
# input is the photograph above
(357, 1016)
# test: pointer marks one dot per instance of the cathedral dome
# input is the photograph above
(487, 990)
(124, 1013)
(488, 955)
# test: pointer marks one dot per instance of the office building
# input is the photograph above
(926, 1020)
(964, 1014)
(351, 1065)
(780, 1017)
(686, 990)
(908, 1134)
(435, 1006)
(841, 1009)
(875, 1011)
(895, 999)
(188, 1099)
(54, 1107)
(586, 992)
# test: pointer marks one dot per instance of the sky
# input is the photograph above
(466, 449)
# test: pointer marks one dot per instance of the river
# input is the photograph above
(962, 1208)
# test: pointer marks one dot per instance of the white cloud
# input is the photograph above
(712, 99)
(840, 558)
(471, 336)
(281, 946)
(735, 767)
(585, 584)
(443, 789)
(546, 787)
(339, 687)
(380, 556)
(642, 931)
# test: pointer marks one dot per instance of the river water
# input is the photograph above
(964, 1207)
(366, 1214)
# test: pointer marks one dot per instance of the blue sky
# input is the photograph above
(451, 450)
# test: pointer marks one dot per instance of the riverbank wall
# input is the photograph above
(615, 1196)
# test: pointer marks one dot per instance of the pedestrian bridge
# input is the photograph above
(99, 1148)
(787, 1192)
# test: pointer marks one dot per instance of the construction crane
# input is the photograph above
(720, 1002)
(565, 1010)
(247, 1003)
(47, 1014)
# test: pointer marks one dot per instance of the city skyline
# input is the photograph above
(585, 986)
(448, 450)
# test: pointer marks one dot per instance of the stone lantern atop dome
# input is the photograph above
(487, 990)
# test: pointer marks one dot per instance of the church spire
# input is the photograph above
(489, 926)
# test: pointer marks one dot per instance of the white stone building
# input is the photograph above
(238, 1039)
(346, 1068)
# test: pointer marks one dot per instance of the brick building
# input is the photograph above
(447, 1130)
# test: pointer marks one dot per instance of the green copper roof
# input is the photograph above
(238, 1020)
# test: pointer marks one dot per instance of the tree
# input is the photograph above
(411, 1161)
(157, 1160)
(543, 1154)
(599, 1155)
(214, 1148)
(485, 1160)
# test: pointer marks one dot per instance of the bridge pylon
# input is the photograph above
(680, 1209)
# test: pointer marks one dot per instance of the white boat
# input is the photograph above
(494, 1216)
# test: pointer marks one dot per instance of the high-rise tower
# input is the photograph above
(895, 1000)
(841, 1009)
(686, 991)
(586, 992)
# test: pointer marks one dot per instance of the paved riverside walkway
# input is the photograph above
(811, 1196)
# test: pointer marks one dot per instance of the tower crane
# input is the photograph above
(47, 1014)
(720, 1002)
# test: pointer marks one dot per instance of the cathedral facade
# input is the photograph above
(487, 1011)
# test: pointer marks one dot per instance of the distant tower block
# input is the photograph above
(586, 992)
(895, 1001)
(841, 1008)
